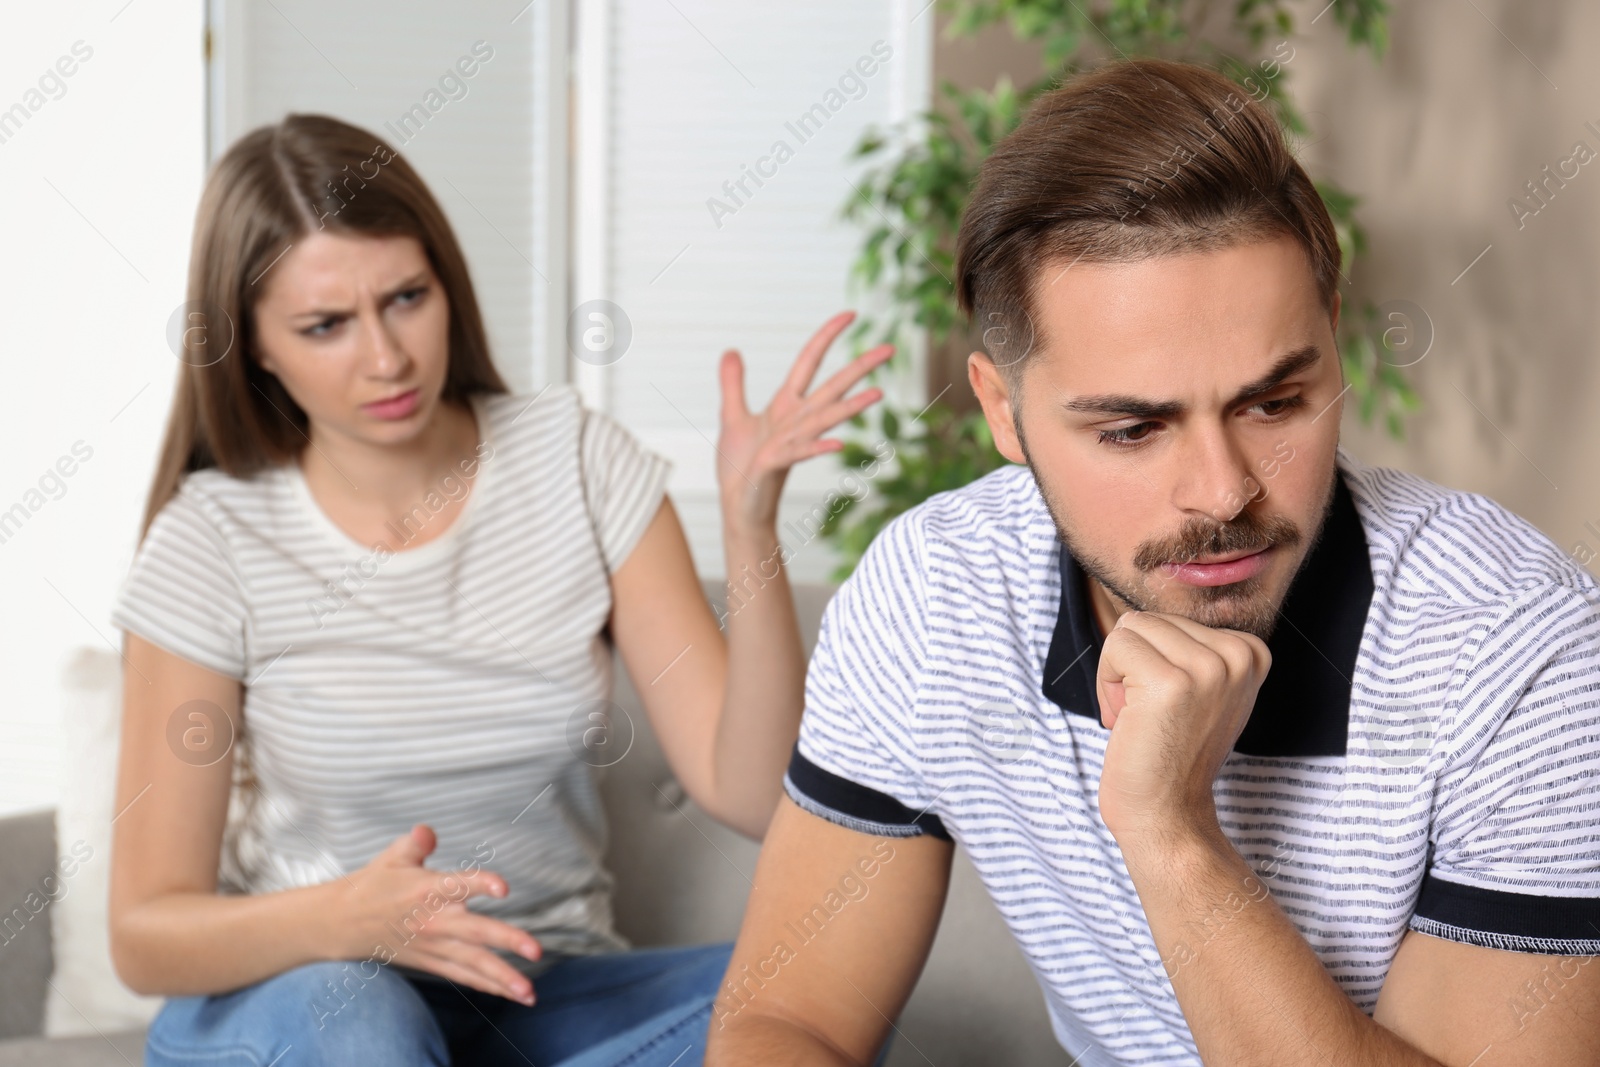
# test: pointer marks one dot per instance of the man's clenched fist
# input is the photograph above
(1175, 695)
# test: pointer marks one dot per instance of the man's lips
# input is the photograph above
(1219, 570)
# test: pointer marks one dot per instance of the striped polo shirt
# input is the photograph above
(454, 682)
(1424, 753)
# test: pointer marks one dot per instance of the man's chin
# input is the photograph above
(1246, 605)
(1256, 614)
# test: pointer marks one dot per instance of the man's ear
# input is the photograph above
(990, 387)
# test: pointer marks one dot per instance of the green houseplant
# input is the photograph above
(910, 204)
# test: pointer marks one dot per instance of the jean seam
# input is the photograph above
(662, 1037)
(168, 1051)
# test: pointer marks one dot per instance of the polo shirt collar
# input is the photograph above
(1303, 706)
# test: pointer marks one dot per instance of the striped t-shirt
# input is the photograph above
(1424, 753)
(453, 683)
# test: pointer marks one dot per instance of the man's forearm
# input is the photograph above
(766, 679)
(1251, 988)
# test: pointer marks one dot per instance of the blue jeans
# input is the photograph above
(644, 1008)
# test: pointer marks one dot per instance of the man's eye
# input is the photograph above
(1127, 436)
(1281, 405)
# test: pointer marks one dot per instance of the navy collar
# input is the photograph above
(1303, 707)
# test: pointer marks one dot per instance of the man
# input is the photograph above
(1266, 756)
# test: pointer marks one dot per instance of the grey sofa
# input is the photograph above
(681, 879)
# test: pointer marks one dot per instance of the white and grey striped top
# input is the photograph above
(450, 683)
(1425, 752)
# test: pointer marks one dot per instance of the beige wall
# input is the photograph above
(1436, 138)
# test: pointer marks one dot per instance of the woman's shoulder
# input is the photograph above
(549, 426)
(214, 500)
(212, 488)
(553, 408)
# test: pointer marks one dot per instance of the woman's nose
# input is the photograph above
(381, 352)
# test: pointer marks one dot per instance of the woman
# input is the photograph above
(400, 586)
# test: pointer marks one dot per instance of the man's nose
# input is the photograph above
(1217, 479)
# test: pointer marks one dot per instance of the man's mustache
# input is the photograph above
(1247, 532)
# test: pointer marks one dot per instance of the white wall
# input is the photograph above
(675, 100)
(99, 187)
(488, 152)
(670, 101)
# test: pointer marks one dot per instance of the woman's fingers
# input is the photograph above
(851, 373)
(471, 954)
(822, 420)
(477, 966)
(479, 883)
(805, 367)
(410, 848)
(493, 975)
(467, 925)
(805, 440)
(731, 374)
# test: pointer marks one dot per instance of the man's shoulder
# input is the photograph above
(990, 510)
(954, 534)
(1455, 547)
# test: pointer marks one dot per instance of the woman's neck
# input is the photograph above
(361, 478)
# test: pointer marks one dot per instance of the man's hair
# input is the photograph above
(1139, 158)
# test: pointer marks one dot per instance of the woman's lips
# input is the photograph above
(1225, 573)
(396, 407)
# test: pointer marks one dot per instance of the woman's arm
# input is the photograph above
(172, 934)
(726, 708)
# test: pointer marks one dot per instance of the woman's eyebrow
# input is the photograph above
(322, 313)
(1288, 364)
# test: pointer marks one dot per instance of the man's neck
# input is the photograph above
(1104, 608)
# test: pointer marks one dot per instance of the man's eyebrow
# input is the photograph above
(1288, 364)
(409, 283)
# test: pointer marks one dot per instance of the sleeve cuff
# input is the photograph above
(853, 805)
(1516, 922)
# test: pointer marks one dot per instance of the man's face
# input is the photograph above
(1181, 421)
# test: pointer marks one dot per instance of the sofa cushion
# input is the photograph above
(28, 845)
(118, 1049)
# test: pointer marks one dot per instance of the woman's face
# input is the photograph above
(357, 329)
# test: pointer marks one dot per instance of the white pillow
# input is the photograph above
(85, 993)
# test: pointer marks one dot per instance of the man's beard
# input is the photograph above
(1245, 605)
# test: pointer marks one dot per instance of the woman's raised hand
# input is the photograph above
(395, 894)
(756, 449)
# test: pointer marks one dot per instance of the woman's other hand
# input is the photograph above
(756, 449)
(395, 896)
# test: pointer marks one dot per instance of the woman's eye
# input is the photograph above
(317, 329)
(411, 296)
(1127, 435)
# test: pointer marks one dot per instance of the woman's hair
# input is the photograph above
(1139, 158)
(274, 186)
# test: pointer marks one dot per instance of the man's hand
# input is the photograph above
(1175, 696)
